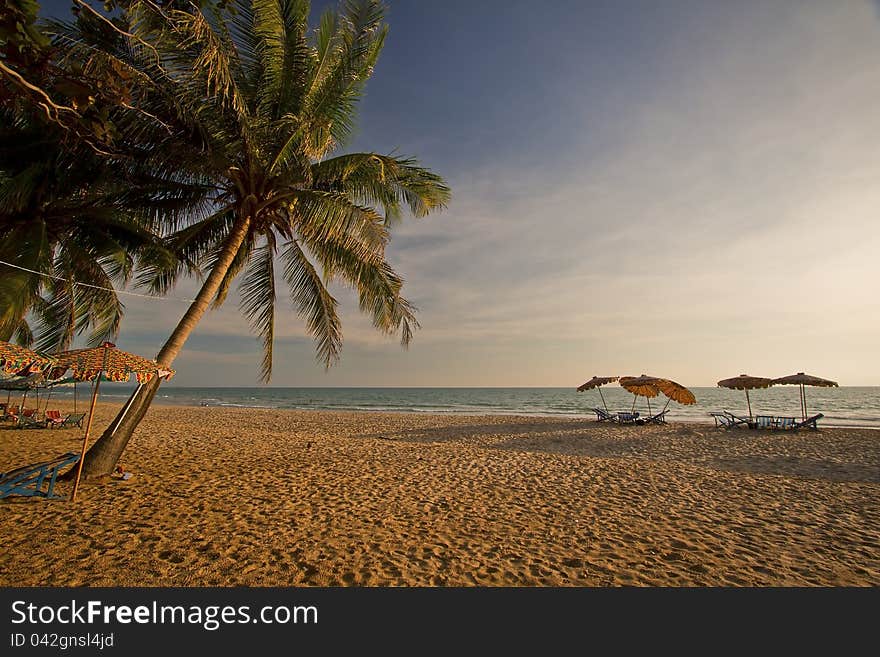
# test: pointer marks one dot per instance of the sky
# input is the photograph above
(685, 189)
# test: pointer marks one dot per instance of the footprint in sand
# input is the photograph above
(171, 556)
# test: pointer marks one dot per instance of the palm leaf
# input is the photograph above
(258, 300)
(313, 302)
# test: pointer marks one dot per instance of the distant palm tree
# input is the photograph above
(252, 104)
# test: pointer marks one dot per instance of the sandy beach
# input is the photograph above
(235, 497)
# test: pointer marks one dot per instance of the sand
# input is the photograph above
(236, 497)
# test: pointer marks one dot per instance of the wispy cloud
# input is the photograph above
(713, 217)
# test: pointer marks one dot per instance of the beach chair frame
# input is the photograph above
(810, 423)
(658, 418)
(729, 420)
(72, 420)
(625, 417)
(28, 480)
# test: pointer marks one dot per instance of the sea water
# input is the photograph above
(844, 406)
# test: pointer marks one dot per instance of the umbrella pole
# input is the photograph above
(749, 404)
(74, 396)
(649, 407)
(804, 402)
(603, 399)
(79, 466)
(633, 410)
(48, 397)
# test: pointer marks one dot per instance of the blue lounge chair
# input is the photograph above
(28, 480)
(627, 418)
(773, 422)
(659, 418)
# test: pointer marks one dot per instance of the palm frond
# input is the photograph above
(348, 61)
(285, 55)
(239, 262)
(374, 179)
(258, 300)
(313, 302)
(377, 284)
(319, 216)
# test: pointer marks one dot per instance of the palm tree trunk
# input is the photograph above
(101, 459)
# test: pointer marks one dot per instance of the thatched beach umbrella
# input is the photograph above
(651, 386)
(103, 363)
(641, 386)
(676, 392)
(801, 379)
(746, 382)
(597, 382)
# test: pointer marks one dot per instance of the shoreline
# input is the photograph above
(489, 413)
(244, 497)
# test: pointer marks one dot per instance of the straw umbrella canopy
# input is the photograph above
(801, 379)
(651, 386)
(597, 382)
(676, 392)
(103, 363)
(746, 382)
(641, 386)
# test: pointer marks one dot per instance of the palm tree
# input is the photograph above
(67, 216)
(253, 105)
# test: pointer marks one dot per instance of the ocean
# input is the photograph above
(845, 406)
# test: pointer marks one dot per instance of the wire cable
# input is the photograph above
(97, 287)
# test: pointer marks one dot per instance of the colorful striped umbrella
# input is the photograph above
(103, 363)
(112, 363)
(15, 359)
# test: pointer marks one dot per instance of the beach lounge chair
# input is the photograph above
(20, 417)
(627, 418)
(602, 415)
(28, 480)
(728, 420)
(30, 422)
(659, 418)
(809, 422)
(53, 417)
(773, 422)
(72, 420)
